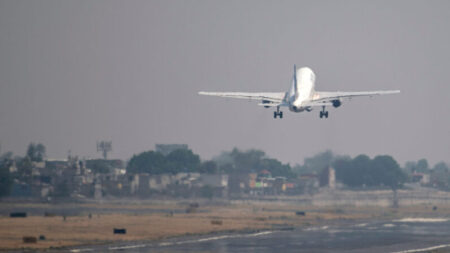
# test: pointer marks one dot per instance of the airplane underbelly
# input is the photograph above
(294, 108)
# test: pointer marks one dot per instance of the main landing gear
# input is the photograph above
(278, 113)
(323, 113)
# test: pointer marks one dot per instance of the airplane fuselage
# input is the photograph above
(302, 90)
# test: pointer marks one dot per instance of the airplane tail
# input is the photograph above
(295, 77)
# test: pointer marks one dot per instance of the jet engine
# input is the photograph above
(336, 103)
(266, 102)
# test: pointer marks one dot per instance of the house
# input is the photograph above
(423, 178)
(160, 182)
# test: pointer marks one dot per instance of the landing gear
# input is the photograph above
(278, 113)
(323, 113)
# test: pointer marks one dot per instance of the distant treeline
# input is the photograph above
(184, 160)
(360, 171)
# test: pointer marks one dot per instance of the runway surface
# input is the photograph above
(405, 235)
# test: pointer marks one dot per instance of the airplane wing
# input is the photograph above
(317, 103)
(338, 95)
(265, 97)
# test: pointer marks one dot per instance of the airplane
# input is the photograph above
(302, 95)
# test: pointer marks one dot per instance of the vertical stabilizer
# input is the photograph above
(295, 77)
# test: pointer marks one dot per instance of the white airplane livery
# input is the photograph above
(302, 95)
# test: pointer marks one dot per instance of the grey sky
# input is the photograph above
(74, 72)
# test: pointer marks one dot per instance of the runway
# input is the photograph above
(401, 236)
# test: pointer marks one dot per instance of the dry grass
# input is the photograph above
(77, 230)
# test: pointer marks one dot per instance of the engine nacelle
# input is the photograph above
(336, 103)
(266, 102)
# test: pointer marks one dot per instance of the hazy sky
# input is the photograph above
(74, 72)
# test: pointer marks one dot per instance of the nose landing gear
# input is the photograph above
(323, 113)
(278, 113)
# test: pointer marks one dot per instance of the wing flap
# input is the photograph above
(273, 97)
(328, 96)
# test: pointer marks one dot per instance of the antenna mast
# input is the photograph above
(104, 147)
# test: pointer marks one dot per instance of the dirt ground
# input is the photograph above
(172, 220)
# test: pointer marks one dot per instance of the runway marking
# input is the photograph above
(258, 234)
(421, 220)
(316, 228)
(424, 249)
(224, 237)
(164, 244)
(128, 247)
(80, 250)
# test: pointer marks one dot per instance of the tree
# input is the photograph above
(347, 173)
(40, 152)
(36, 152)
(381, 171)
(361, 165)
(253, 160)
(6, 156)
(5, 179)
(441, 167)
(388, 172)
(422, 165)
(276, 168)
(147, 162)
(247, 161)
(440, 176)
(317, 163)
(209, 167)
(410, 166)
(182, 160)
(392, 175)
(360, 171)
(31, 151)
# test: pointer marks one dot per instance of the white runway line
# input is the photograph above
(164, 244)
(258, 234)
(225, 237)
(80, 250)
(128, 247)
(424, 249)
(421, 220)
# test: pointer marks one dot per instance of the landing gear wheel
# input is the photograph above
(323, 113)
(278, 113)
